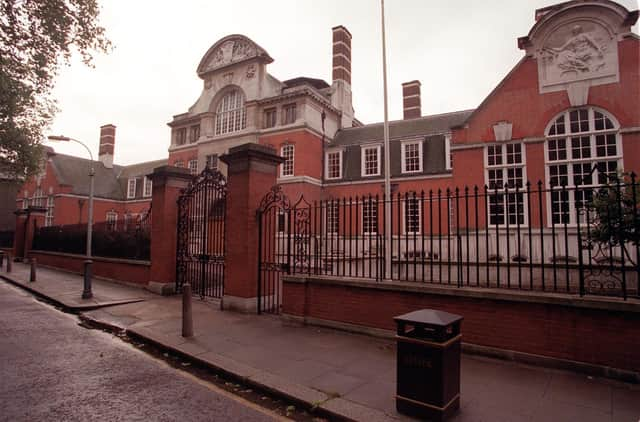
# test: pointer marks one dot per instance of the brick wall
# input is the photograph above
(115, 269)
(583, 330)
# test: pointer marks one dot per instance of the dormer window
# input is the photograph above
(231, 114)
(131, 188)
(371, 161)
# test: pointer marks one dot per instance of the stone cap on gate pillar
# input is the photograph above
(251, 156)
(166, 174)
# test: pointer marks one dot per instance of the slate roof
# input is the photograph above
(316, 83)
(399, 129)
(108, 183)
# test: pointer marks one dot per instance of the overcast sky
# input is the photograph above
(459, 50)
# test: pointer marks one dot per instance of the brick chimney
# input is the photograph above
(341, 74)
(411, 103)
(107, 142)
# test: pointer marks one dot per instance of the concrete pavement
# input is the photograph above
(353, 376)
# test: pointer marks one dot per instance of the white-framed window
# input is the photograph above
(448, 155)
(148, 187)
(38, 198)
(369, 216)
(131, 188)
(287, 152)
(270, 116)
(371, 160)
(231, 113)
(193, 167)
(179, 163)
(212, 161)
(583, 150)
(112, 220)
(332, 216)
(505, 176)
(48, 218)
(289, 114)
(411, 153)
(333, 163)
(412, 214)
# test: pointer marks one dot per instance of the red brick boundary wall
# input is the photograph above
(128, 271)
(591, 334)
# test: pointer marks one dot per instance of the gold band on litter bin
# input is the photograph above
(429, 406)
(430, 343)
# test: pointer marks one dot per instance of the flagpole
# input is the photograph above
(387, 160)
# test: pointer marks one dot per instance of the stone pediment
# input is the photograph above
(230, 50)
(576, 43)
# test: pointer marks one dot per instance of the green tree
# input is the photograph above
(616, 214)
(36, 38)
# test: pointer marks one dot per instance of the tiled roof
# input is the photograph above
(398, 129)
(74, 171)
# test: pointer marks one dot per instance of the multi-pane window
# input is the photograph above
(112, 220)
(582, 152)
(38, 198)
(334, 165)
(131, 188)
(371, 161)
(286, 168)
(411, 214)
(231, 114)
(333, 216)
(194, 133)
(193, 167)
(212, 161)
(411, 157)
(289, 114)
(148, 187)
(269, 117)
(505, 179)
(369, 216)
(181, 136)
(48, 218)
(179, 164)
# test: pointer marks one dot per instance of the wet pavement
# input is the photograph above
(354, 375)
(52, 369)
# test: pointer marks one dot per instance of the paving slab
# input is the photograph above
(65, 289)
(353, 375)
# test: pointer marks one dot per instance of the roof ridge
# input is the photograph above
(414, 119)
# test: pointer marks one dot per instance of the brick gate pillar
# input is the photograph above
(167, 183)
(27, 221)
(252, 171)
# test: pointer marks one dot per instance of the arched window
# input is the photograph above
(231, 114)
(582, 150)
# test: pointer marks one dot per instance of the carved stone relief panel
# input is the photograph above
(577, 51)
(231, 51)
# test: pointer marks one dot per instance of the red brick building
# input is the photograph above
(122, 194)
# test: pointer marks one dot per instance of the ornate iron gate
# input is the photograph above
(201, 235)
(274, 251)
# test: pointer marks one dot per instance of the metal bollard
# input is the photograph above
(8, 263)
(32, 273)
(187, 315)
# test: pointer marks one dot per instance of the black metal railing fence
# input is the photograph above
(577, 240)
(125, 239)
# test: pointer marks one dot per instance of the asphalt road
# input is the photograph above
(52, 369)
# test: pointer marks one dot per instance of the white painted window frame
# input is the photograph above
(131, 187)
(326, 164)
(147, 184)
(293, 154)
(363, 166)
(403, 155)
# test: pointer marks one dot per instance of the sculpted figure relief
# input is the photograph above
(579, 54)
(231, 51)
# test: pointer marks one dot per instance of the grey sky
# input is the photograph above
(459, 50)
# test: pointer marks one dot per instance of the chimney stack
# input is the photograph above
(107, 142)
(341, 75)
(341, 54)
(411, 100)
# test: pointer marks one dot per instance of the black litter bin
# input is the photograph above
(428, 364)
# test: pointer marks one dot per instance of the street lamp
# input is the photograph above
(86, 292)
